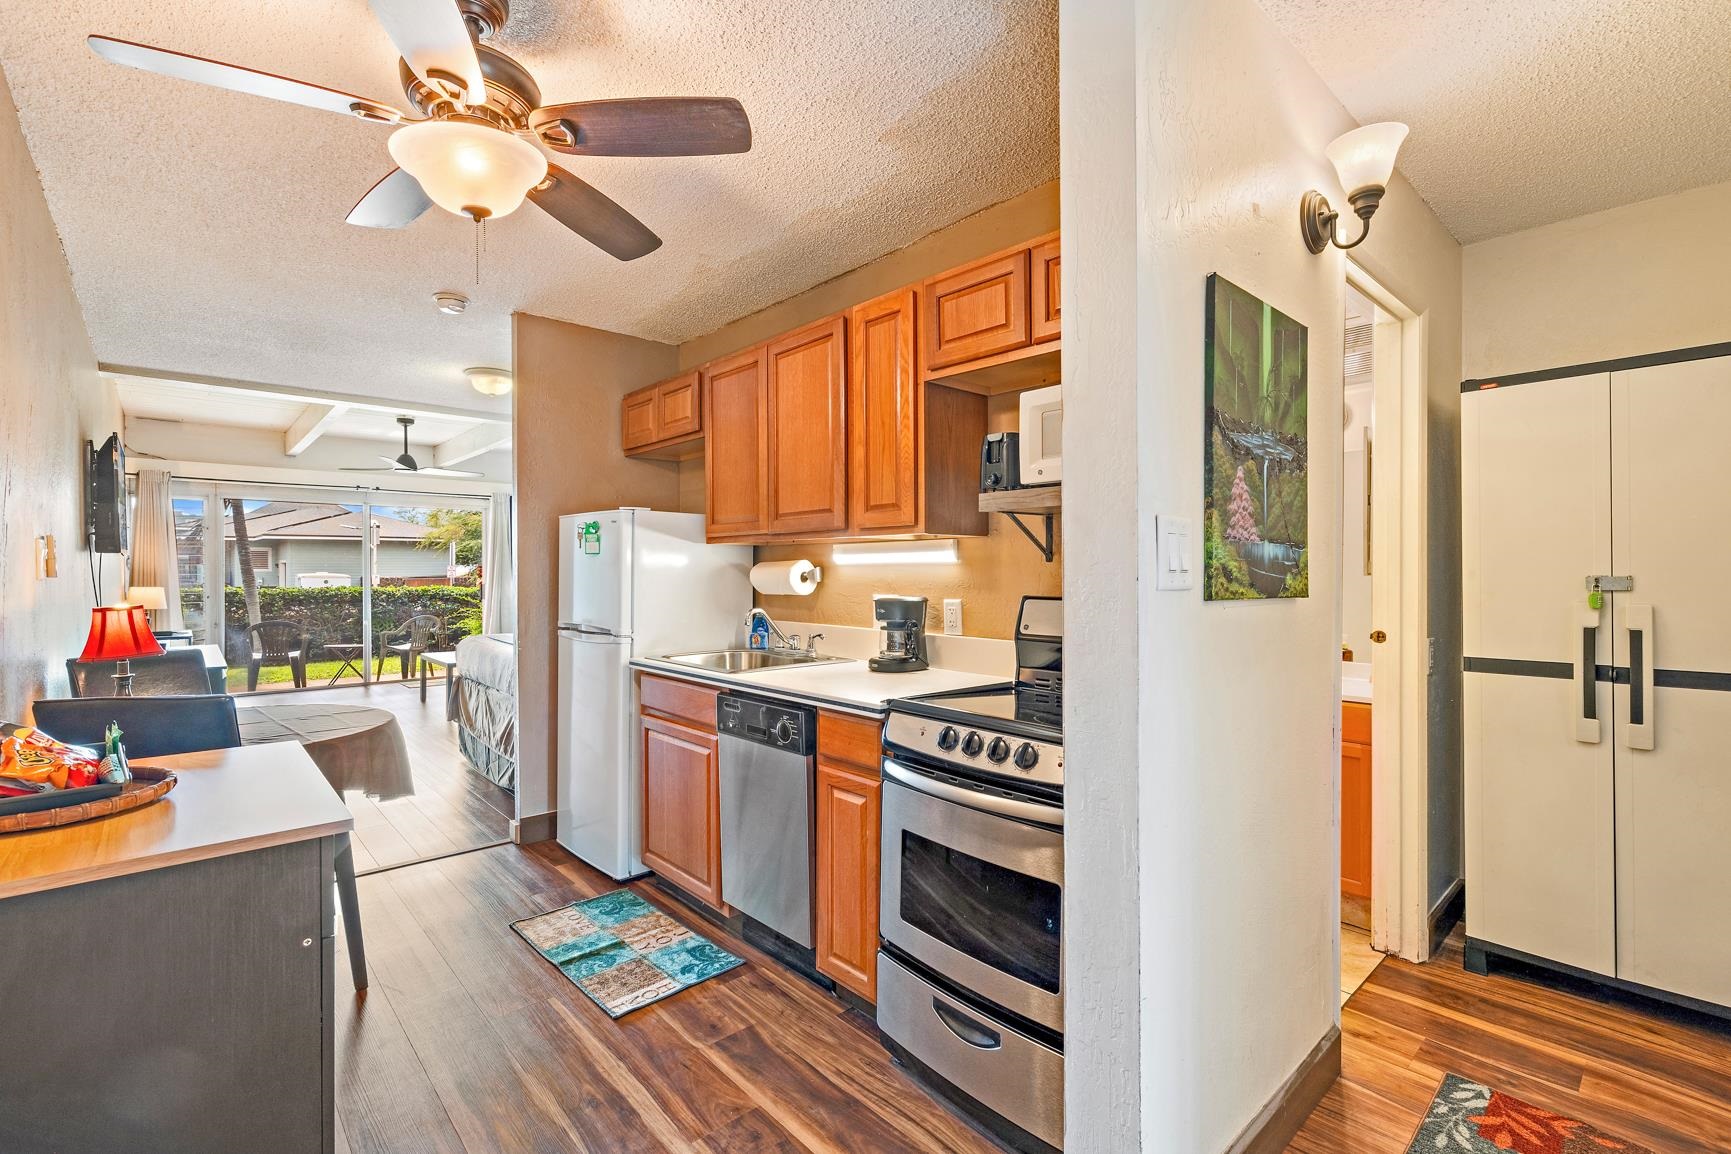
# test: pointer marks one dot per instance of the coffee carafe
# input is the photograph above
(903, 620)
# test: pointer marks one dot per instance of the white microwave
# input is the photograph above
(1041, 444)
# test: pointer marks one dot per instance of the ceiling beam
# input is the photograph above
(471, 443)
(313, 423)
(307, 396)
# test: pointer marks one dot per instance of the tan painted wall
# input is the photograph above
(1643, 278)
(51, 400)
(568, 460)
(995, 571)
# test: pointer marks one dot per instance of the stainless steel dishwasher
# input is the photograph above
(767, 812)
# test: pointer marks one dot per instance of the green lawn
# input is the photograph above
(318, 672)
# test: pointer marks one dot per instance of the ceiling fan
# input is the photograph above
(406, 463)
(472, 149)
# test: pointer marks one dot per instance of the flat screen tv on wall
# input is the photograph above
(105, 504)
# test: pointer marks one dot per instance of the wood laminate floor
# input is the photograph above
(452, 809)
(1634, 1069)
(469, 1041)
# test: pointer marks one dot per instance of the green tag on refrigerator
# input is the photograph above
(592, 538)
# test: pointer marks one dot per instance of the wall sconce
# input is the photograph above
(1364, 161)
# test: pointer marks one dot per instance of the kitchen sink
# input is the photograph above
(746, 660)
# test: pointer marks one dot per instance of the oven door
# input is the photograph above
(974, 890)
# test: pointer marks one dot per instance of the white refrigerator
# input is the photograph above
(632, 583)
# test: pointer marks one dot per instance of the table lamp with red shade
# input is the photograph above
(119, 633)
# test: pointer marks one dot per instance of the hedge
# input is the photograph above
(333, 614)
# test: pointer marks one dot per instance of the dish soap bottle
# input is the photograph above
(759, 638)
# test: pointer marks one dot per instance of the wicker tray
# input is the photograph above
(147, 785)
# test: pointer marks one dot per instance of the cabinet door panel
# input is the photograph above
(1669, 469)
(1539, 797)
(734, 458)
(1355, 818)
(977, 311)
(681, 807)
(638, 419)
(1047, 299)
(848, 815)
(883, 415)
(807, 372)
(677, 413)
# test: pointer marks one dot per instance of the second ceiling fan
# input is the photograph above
(473, 150)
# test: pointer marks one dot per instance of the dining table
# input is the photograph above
(356, 747)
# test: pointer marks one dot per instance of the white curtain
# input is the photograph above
(499, 568)
(154, 561)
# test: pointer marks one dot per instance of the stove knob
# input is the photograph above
(999, 750)
(1027, 756)
(948, 738)
(972, 744)
(783, 732)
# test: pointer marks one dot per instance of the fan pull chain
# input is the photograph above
(480, 242)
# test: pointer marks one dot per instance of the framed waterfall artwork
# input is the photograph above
(1255, 474)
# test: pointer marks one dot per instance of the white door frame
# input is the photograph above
(1400, 667)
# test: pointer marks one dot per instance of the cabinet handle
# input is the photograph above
(967, 1029)
(1588, 727)
(1638, 622)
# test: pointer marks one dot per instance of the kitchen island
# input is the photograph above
(169, 970)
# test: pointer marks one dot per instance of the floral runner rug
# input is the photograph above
(1467, 1118)
(623, 952)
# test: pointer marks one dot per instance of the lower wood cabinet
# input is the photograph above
(682, 805)
(849, 808)
(1355, 800)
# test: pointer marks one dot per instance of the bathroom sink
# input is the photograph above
(746, 660)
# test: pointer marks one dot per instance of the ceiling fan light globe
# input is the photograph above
(468, 168)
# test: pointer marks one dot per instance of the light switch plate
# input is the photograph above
(953, 616)
(1173, 555)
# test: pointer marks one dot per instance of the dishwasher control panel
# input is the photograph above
(766, 723)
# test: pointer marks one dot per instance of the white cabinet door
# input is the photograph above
(1671, 472)
(1538, 740)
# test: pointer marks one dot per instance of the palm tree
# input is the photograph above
(243, 554)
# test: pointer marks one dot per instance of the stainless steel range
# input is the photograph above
(970, 969)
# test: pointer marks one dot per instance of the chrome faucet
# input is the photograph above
(790, 643)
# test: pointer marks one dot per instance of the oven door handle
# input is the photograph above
(1033, 811)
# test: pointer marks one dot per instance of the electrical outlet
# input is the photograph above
(952, 616)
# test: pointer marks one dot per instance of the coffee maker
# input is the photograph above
(904, 624)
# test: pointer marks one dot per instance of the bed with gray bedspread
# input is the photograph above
(483, 703)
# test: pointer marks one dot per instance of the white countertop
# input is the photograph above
(1355, 681)
(846, 685)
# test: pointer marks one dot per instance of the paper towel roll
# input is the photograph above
(795, 578)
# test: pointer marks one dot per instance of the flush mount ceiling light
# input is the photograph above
(450, 303)
(1364, 161)
(895, 553)
(468, 167)
(489, 382)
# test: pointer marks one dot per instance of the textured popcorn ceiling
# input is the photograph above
(205, 228)
(1525, 112)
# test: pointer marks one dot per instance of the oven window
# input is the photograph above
(1005, 919)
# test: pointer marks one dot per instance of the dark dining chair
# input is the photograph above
(415, 636)
(277, 643)
(153, 726)
(160, 726)
(173, 672)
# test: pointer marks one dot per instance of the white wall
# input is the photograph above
(1202, 737)
(1643, 278)
(51, 401)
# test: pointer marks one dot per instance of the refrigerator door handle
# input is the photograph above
(1638, 624)
(1588, 727)
(586, 630)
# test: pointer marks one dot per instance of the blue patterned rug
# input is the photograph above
(623, 952)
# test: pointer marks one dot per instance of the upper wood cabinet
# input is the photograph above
(807, 386)
(664, 419)
(883, 408)
(977, 311)
(1047, 299)
(735, 460)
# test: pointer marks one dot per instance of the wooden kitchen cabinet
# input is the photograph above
(806, 372)
(849, 813)
(883, 407)
(1046, 300)
(735, 459)
(664, 419)
(681, 796)
(977, 311)
(1355, 841)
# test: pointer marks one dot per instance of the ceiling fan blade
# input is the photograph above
(432, 37)
(232, 76)
(646, 126)
(363, 469)
(395, 201)
(588, 212)
(430, 472)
